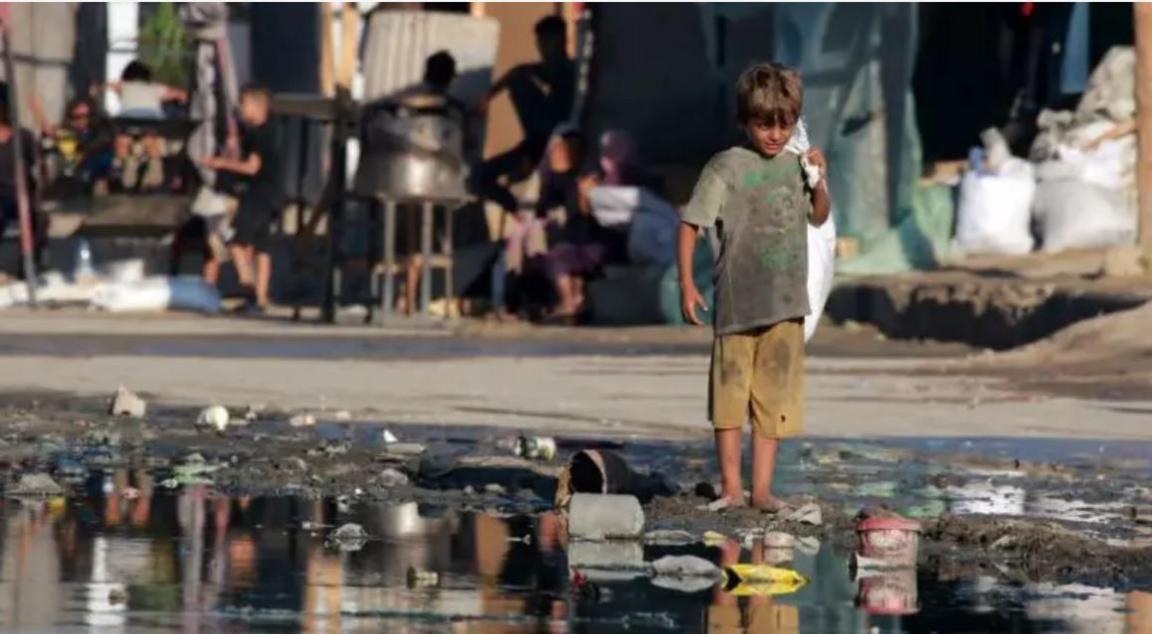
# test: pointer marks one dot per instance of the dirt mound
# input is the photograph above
(1109, 357)
(1119, 334)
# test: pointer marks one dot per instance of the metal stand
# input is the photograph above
(384, 291)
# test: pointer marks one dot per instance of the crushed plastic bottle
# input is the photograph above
(84, 266)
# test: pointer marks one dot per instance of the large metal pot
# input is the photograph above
(411, 152)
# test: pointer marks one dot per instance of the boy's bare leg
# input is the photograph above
(728, 453)
(763, 467)
(263, 278)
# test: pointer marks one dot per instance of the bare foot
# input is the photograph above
(770, 504)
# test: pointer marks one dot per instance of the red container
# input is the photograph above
(894, 540)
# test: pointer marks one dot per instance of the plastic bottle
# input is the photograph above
(84, 267)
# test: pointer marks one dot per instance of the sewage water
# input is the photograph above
(119, 554)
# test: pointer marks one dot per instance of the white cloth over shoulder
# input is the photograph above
(821, 240)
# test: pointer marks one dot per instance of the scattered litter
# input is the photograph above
(712, 538)
(608, 561)
(312, 526)
(723, 504)
(389, 437)
(763, 589)
(125, 403)
(169, 483)
(809, 513)
(215, 417)
(390, 477)
(669, 538)
(536, 447)
(495, 489)
(193, 473)
(596, 517)
(885, 535)
(760, 573)
(252, 414)
(779, 539)
(302, 420)
(36, 485)
(808, 545)
(348, 538)
(685, 566)
(749, 537)
(404, 449)
(130, 493)
(422, 578)
(708, 490)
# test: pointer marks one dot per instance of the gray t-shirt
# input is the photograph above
(760, 208)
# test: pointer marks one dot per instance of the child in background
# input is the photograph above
(142, 98)
(756, 196)
(260, 200)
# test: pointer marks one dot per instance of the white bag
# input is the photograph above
(995, 211)
(155, 294)
(821, 240)
(821, 267)
(1073, 214)
(209, 202)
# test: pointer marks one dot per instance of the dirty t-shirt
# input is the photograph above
(760, 208)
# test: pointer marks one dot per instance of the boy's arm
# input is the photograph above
(701, 211)
(690, 296)
(821, 201)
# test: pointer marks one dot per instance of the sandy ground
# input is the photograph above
(642, 383)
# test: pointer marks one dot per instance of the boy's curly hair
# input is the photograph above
(769, 92)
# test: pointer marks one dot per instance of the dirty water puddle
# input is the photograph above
(118, 551)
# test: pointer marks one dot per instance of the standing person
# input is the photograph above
(9, 200)
(260, 200)
(542, 93)
(756, 196)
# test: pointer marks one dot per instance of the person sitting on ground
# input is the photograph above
(543, 95)
(260, 199)
(141, 98)
(575, 249)
(82, 150)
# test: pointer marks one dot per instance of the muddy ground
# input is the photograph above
(1087, 522)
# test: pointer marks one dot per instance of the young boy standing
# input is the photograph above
(757, 198)
(261, 197)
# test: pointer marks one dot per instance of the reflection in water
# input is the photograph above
(125, 556)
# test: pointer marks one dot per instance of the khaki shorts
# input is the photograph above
(759, 375)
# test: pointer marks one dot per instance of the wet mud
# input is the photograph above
(1013, 515)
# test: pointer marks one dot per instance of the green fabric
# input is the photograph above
(917, 242)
